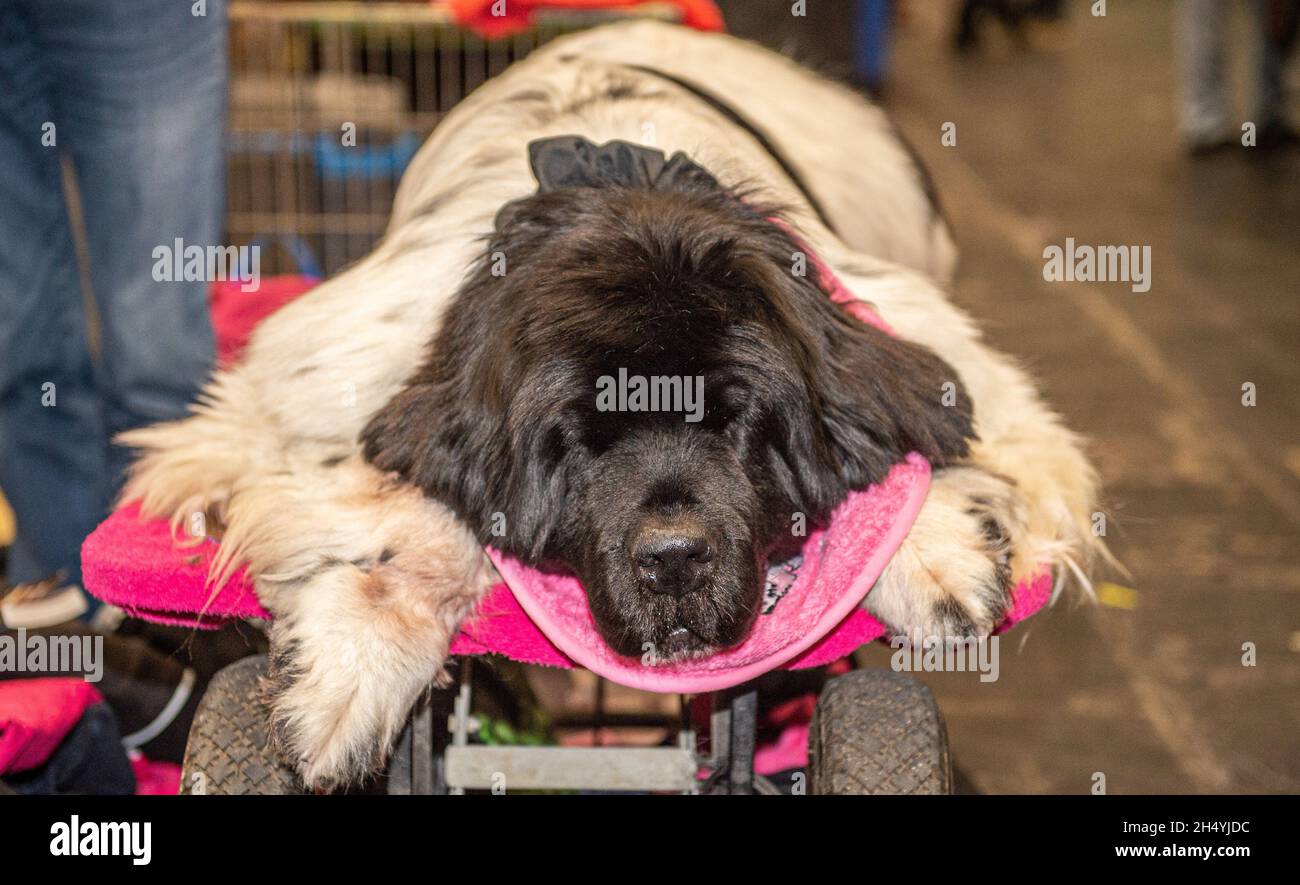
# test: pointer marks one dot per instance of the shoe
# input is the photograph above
(42, 604)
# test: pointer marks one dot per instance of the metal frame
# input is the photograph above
(433, 755)
(302, 70)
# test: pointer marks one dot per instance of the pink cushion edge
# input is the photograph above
(500, 625)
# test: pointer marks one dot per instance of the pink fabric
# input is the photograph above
(154, 778)
(793, 719)
(36, 715)
(788, 751)
(235, 313)
(839, 565)
(133, 564)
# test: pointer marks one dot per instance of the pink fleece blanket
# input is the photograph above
(812, 607)
(804, 598)
(811, 613)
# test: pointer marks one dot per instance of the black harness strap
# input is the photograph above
(764, 142)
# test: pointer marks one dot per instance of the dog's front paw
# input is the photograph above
(348, 661)
(324, 720)
(952, 575)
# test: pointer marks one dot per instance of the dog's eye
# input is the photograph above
(718, 417)
(553, 445)
(723, 407)
(601, 430)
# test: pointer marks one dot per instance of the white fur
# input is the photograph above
(368, 579)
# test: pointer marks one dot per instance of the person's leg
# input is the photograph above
(51, 435)
(1270, 101)
(1201, 38)
(967, 34)
(143, 91)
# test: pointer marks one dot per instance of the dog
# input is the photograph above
(443, 393)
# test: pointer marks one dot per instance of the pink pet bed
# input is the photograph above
(811, 614)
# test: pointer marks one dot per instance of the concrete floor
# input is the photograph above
(1075, 136)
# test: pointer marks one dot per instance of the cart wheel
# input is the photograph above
(878, 732)
(228, 752)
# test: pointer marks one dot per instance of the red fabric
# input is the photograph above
(703, 15)
(235, 313)
(36, 715)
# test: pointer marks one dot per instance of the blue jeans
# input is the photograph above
(1203, 38)
(128, 97)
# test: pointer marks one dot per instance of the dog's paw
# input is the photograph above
(348, 661)
(952, 577)
(324, 721)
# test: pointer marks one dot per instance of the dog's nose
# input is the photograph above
(673, 561)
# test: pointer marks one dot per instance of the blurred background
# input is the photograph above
(1067, 123)
(1072, 128)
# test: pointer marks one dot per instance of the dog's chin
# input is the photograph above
(679, 644)
(659, 635)
(682, 645)
(660, 629)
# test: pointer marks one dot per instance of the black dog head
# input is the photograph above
(525, 418)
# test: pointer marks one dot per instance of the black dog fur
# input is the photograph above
(802, 402)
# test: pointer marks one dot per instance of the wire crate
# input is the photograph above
(328, 103)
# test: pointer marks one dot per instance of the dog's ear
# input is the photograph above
(459, 431)
(873, 398)
(883, 397)
(500, 475)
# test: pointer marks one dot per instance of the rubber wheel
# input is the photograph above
(878, 732)
(228, 752)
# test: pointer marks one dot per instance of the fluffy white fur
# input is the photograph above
(368, 580)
